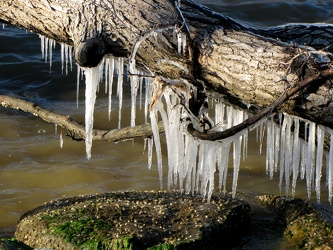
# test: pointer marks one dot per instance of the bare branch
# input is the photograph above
(214, 136)
(76, 130)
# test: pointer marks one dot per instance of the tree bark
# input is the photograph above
(244, 65)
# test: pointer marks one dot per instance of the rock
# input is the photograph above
(306, 225)
(136, 220)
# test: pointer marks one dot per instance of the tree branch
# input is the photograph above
(214, 136)
(75, 129)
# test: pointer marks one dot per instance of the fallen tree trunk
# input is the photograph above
(243, 64)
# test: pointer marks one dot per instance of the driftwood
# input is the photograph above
(244, 65)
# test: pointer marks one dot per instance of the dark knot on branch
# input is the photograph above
(90, 52)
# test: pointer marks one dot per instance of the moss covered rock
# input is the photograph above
(135, 220)
(306, 225)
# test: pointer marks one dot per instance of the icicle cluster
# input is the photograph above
(299, 158)
(180, 37)
(47, 46)
(66, 57)
(107, 69)
(93, 76)
(192, 163)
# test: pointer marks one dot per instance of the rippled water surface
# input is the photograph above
(33, 167)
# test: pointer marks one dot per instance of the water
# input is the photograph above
(35, 169)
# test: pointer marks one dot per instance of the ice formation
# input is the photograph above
(92, 80)
(47, 46)
(192, 163)
(120, 71)
(66, 57)
(93, 76)
(61, 139)
(299, 158)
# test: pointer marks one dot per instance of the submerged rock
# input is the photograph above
(135, 220)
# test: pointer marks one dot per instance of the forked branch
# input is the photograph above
(76, 130)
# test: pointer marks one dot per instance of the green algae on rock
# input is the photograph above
(135, 220)
(304, 222)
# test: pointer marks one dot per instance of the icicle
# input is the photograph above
(180, 42)
(201, 158)
(310, 157)
(330, 169)
(46, 48)
(277, 146)
(223, 159)
(62, 53)
(219, 116)
(61, 139)
(55, 129)
(236, 155)
(51, 46)
(66, 55)
(144, 145)
(120, 88)
(148, 94)
(140, 95)
(295, 156)
(190, 157)
(42, 45)
(210, 171)
(257, 134)
(150, 152)
(282, 150)
(270, 149)
(101, 69)
(66, 59)
(303, 159)
(109, 78)
(245, 138)
(181, 152)
(90, 98)
(171, 122)
(229, 116)
(79, 72)
(287, 152)
(153, 120)
(183, 43)
(319, 159)
(134, 79)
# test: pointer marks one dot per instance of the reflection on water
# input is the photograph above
(33, 167)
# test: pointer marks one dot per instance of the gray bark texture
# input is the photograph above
(248, 67)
